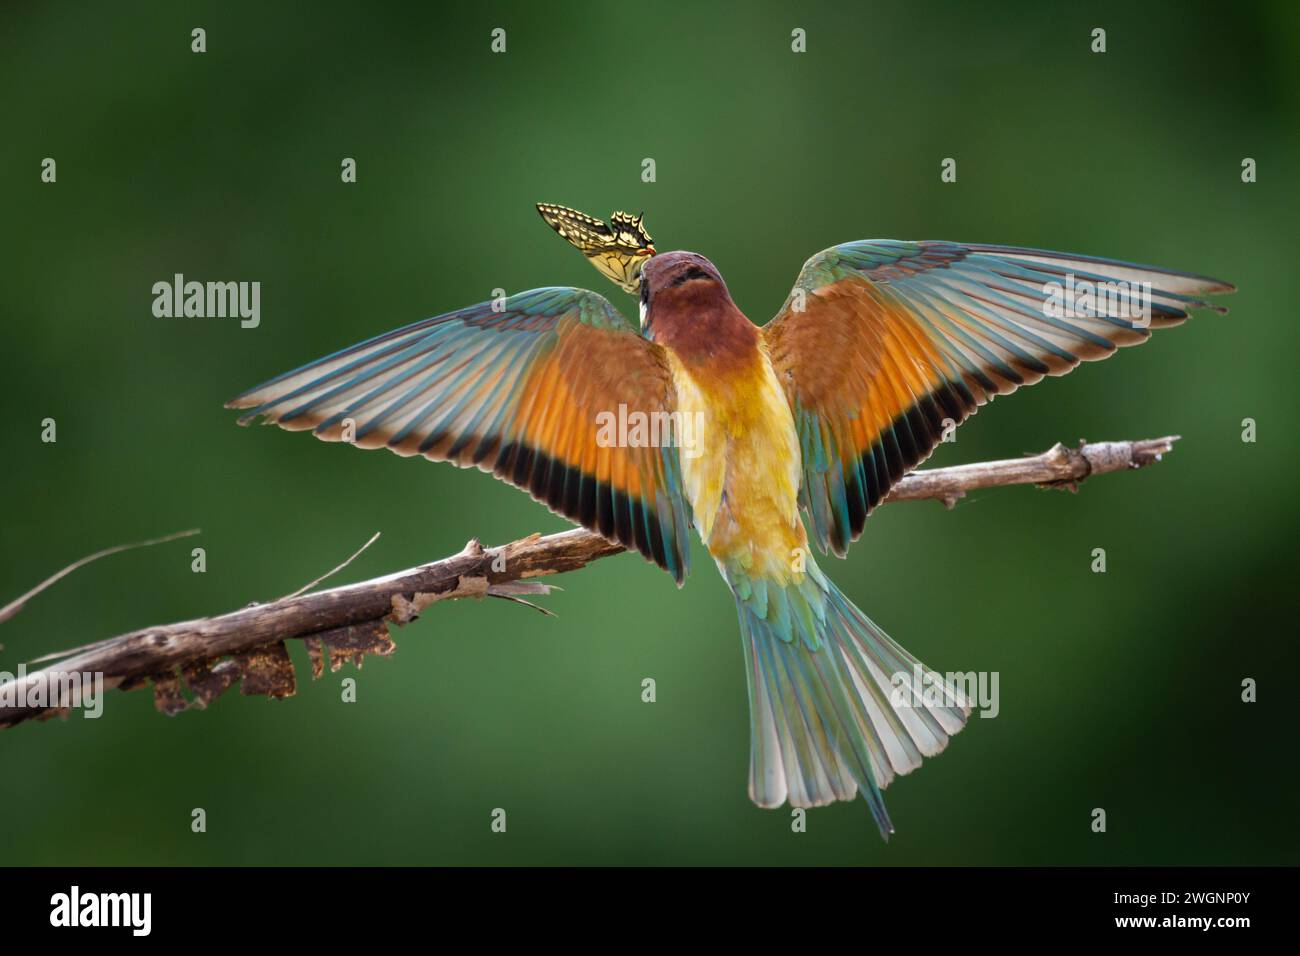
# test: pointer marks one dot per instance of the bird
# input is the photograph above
(774, 438)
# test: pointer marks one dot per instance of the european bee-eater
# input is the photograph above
(880, 347)
(618, 251)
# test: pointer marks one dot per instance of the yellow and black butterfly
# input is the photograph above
(617, 250)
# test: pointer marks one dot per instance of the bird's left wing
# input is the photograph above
(883, 346)
(530, 388)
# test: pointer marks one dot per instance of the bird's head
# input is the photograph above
(680, 283)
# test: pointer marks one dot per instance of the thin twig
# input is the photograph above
(17, 604)
(329, 574)
(210, 654)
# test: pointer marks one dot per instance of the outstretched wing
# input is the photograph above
(517, 391)
(883, 344)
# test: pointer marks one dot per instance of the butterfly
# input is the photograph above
(618, 250)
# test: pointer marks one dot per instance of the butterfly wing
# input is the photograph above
(618, 250)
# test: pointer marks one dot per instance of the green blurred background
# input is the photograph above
(1119, 690)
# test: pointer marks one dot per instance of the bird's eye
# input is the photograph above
(694, 272)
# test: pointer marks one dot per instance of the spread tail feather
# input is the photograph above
(835, 707)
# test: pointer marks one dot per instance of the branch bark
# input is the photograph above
(209, 655)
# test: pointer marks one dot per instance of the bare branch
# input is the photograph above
(1058, 467)
(209, 655)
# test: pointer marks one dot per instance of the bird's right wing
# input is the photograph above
(532, 389)
(883, 345)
